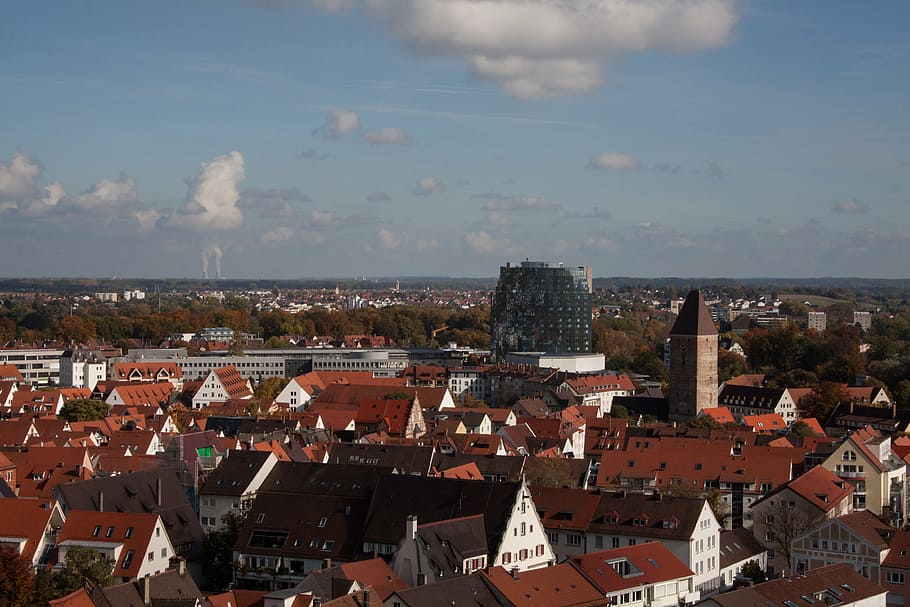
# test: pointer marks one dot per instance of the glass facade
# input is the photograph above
(541, 307)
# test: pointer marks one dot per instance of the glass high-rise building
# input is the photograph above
(541, 306)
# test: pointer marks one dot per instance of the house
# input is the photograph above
(140, 394)
(596, 390)
(878, 476)
(136, 543)
(439, 550)
(29, 527)
(403, 459)
(232, 486)
(740, 472)
(166, 589)
(836, 584)
(858, 539)
(744, 400)
(221, 384)
(41, 469)
(515, 537)
(794, 506)
(149, 372)
(738, 547)
(339, 580)
(154, 491)
(685, 525)
(644, 575)
(275, 549)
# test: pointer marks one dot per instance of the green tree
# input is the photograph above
(81, 565)
(801, 428)
(619, 411)
(16, 580)
(84, 410)
(753, 571)
(705, 421)
(218, 552)
(901, 392)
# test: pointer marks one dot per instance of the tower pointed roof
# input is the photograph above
(694, 317)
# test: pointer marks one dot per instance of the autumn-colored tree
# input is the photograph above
(16, 579)
(270, 387)
(822, 400)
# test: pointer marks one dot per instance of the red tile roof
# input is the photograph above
(233, 382)
(112, 527)
(655, 562)
(561, 585)
(25, 518)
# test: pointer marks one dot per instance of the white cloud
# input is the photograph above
(613, 161)
(105, 194)
(851, 206)
(278, 234)
(323, 218)
(19, 177)
(387, 136)
(388, 240)
(339, 123)
(212, 197)
(53, 194)
(147, 219)
(480, 241)
(571, 40)
(427, 186)
(500, 202)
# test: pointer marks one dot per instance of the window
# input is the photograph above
(893, 577)
(553, 537)
(129, 533)
(506, 558)
(164, 553)
(538, 551)
(128, 559)
(151, 556)
(573, 539)
(109, 532)
(524, 529)
(615, 542)
(96, 531)
(323, 521)
(261, 517)
(328, 545)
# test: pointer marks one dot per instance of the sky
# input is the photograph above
(341, 138)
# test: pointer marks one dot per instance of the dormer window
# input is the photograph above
(640, 522)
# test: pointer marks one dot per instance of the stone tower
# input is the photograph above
(693, 360)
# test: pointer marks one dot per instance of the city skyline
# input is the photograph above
(325, 138)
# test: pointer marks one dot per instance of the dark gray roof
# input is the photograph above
(738, 545)
(437, 499)
(235, 473)
(405, 459)
(659, 508)
(493, 467)
(469, 590)
(167, 589)
(309, 478)
(734, 395)
(138, 492)
(304, 526)
(694, 317)
(447, 543)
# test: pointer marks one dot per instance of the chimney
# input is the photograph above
(146, 591)
(514, 572)
(181, 566)
(366, 597)
(411, 527)
(327, 564)
(101, 501)
(158, 490)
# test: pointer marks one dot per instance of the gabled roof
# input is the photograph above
(233, 382)
(134, 531)
(867, 526)
(737, 545)
(560, 508)
(406, 459)
(158, 393)
(765, 422)
(27, 519)
(10, 373)
(235, 473)
(819, 486)
(559, 584)
(436, 499)
(694, 317)
(473, 590)
(721, 415)
(448, 542)
(139, 492)
(621, 513)
(147, 371)
(651, 562)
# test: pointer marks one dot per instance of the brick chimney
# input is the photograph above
(411, 527)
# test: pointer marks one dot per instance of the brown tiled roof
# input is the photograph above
(559, 584)
(27, 518)
(234, 383)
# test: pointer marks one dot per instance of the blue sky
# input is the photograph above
(333, 138)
